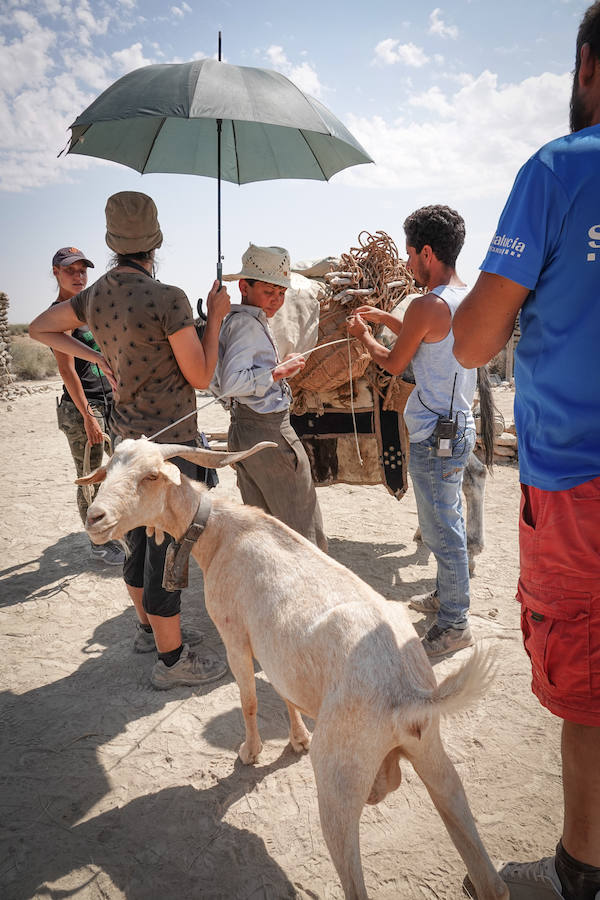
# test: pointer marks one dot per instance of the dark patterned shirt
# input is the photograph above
(132, 317)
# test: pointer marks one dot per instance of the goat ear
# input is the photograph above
(211, 459)
(94, 478)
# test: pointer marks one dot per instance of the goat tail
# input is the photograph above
(466, 685)
(459, 689)
(487, 410)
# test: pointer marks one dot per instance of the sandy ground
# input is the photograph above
(111, 789)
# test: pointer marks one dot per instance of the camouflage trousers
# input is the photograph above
(70, 422)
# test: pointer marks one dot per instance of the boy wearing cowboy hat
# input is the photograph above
(251, 376)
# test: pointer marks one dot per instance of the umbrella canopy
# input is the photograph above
(162, 118)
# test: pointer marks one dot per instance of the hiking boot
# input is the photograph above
(111, 553)
(190, 669)
(144, 642)
(428, 603)
(532, 881)
(439, 641)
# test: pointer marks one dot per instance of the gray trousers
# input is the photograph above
(278, 479)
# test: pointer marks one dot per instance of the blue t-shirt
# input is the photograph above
(548, 240)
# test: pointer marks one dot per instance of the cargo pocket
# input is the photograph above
(556, 634)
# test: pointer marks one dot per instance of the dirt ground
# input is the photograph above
(111, 789)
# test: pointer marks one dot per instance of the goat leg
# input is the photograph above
(445, 789)
(299, 733)
(239, 657)
(345, 762)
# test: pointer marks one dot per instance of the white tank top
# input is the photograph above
(443, 386)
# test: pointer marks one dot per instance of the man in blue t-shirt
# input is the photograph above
(545, 261)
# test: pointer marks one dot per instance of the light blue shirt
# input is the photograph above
(548, 240)
(247, 355)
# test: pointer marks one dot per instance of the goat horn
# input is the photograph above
(211, 459)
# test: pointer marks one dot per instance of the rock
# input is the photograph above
(506, 439)
(504, 451)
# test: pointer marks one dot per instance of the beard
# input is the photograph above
(579, 115)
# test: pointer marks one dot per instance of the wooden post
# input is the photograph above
(510, 353)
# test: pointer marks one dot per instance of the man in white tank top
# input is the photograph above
(438, 413)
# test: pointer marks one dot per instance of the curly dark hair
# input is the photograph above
(440, 227)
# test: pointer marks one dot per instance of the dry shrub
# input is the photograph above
(32, 361)
(18, 329)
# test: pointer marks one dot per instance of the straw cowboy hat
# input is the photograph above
(270, 264)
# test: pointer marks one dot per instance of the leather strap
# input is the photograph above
(175, 574)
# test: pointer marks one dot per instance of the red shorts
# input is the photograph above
(559, 592)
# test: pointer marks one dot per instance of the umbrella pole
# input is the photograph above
(219, 129)
(219, 256)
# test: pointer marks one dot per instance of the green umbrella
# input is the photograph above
(207, 117)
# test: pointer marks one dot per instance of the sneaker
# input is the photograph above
(439, 641)
(532, 881)
(190, 670)
(144, 642)
(112, 554)
(428, 603)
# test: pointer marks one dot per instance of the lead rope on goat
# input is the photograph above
(223, 396)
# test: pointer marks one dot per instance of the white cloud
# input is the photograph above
(89, 20)
(47, 78)
(180, 11)
(130, 58)
(304, 75)
(94, 70)
(26, 60)
(390, 51)
(472, 141)
(439, 27)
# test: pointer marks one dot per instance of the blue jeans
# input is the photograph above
(437, 482)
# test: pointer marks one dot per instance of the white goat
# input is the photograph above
(331, 646)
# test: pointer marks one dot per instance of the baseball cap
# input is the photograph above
(68, 255)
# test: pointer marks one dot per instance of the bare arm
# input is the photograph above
(197, 358)
(379, 317)
(485, 319)
(53, 327)
(68, 373)
(421, 318)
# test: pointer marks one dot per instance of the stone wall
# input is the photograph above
(6, 379)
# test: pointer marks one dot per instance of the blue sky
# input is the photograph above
(448, 100)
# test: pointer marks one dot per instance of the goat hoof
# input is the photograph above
(249, 755)
(300, 743)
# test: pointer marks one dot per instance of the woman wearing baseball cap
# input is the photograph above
(84, 409)
(146, 332)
